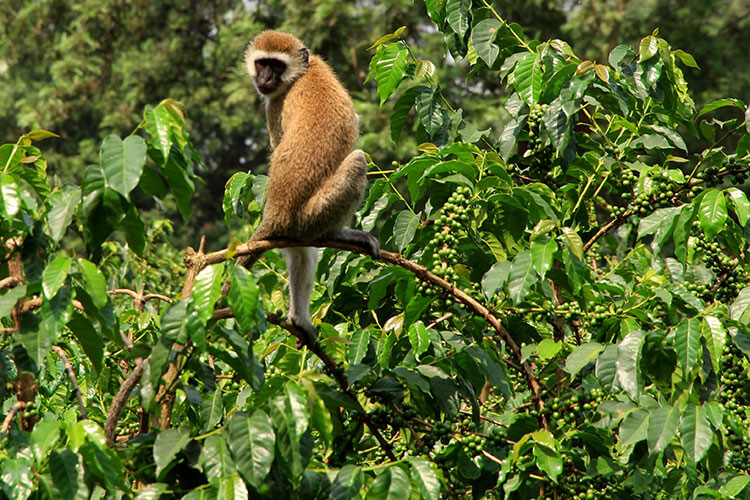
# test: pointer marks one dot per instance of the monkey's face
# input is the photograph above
(268, 74)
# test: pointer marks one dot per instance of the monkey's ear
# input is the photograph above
(305, 54)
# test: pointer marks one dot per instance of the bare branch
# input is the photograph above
(73, 380)
(18, 406)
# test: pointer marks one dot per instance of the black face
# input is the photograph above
(268, 74)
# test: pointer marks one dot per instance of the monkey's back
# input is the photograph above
(317, 130)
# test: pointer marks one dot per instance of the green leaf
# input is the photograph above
(17, 477)
(721, 103)
(695, 432)
(733, 487)
(10, 196)
(157, 123)
(173, 322)
(716, 338)
(64, 468)
(54, 275)
(482, 38)
(542, 254)
(396, 35)
(358, 348)
(215, 457)
(687, 59)
(687, 343)
(401, 111)
(232, 487)
(207, 291)
(168, 443)
(424, 477)
(712, 212)
(648, 48)
(9, 299)
(96, 283)
(63, 205)
(389, 67)
(522, 276)
(428, 110)
(390, 484)
(348, 483)
(457, 15)
(527, 78)
(741, 205)
(740, 305)
(634, 427)
(495, 277)
(582, 356)
(44, 437)
(574, 241)
(548, 461)
(153, 491)
(243, 297)
(177, 173)
(662, 426)
(548, 348)
(628, 363)
(404, 229)
(90, 339)
(251, 441)
(419, 338)
(122, 162)
(291, 420)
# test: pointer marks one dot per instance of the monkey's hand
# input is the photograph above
(373, 244)
(358, 237)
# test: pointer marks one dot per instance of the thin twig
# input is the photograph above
(18, 406)
(73, 380)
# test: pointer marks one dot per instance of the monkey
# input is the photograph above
(316, 181)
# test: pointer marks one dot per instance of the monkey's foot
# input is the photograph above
(308, 333)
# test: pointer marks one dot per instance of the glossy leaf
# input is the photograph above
(168, 443)
(207, 290)
(122, 162)
(482, 38)
(695, 432)
(662, 426)
(522, 276)
(528, 78)
(628, 363)
(251, 440)
(54, 275)
(712, 212)
(687, 343)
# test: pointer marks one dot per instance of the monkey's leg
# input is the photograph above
(301, 263)
(333, 205)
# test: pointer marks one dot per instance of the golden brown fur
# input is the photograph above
(315, 180)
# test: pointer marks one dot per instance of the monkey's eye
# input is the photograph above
(273, 64)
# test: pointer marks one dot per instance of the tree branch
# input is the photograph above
(255, 248)
(73, 380)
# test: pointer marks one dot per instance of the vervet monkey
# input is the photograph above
(315, 180)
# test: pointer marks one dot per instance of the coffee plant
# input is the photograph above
(562, 309)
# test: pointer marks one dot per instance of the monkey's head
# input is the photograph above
(275, 60)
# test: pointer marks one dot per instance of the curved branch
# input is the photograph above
(73, 380)
(118, 403)
(9, 282)
(255, 248)
(18, 406)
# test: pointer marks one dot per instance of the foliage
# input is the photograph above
(579, 326)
